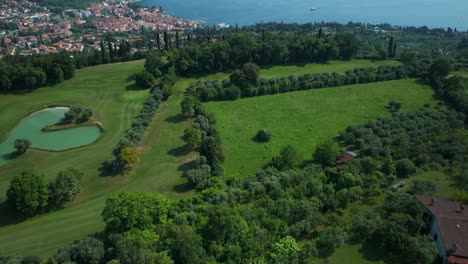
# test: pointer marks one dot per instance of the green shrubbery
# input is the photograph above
(29, 193)
(238, 87)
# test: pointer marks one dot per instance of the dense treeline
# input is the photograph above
(31, 72)
(233, 50)
(203, 135)
(19, 73)
(227, 90)
(126, 153)
(453, 91)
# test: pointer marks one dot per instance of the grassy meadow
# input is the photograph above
(304, 118)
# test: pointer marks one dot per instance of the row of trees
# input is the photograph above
(245, 82)
(29, 193)
(31, 72)
(127, 154)
(203, 136)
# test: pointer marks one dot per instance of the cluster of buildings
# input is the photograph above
(27, 28)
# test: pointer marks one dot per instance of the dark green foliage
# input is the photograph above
(185, 244)
(144, 79)
(64, 188)
(410, 139)
(28, 194)
(326, 153)
(20, 260)
(288, 159)
(127, 211)
(86, 115)
(188, 106)
(193, 137)
(234, 50)
(138, 246)
(263, 135)
(405, 168)
(199, 176)
(329, 240)
(22, 145)
(394, 106)
(154, 64)
(238, 86)
(441, 67)
(86, 251)
(453, 91)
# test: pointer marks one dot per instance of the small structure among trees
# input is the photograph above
(345, 157)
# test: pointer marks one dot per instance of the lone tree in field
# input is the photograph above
(28, 194)
(22, 145)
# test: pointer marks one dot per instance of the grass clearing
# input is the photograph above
(304, 118)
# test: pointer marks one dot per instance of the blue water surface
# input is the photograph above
(432, 13)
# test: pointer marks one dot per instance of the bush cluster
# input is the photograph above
(29, 193)
(212, 157)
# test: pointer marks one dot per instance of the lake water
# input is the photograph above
(30, 127)
(433, 13)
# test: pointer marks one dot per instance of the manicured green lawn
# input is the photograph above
(102, 89)
(356, 253)
(304, 118)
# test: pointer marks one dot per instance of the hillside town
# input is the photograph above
(26, 28)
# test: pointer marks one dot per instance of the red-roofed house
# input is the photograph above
(449, 228)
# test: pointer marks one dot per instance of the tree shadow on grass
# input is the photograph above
(104, 171)
(182, 188)
(179, 151)
(187, 166)
(10, 156)
(176, 119)
(371, 251)
(8, 217)
(134, 87)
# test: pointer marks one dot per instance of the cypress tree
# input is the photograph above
(111, 52)
(320, 33)
(390, 47)
(177, 39)
(103, 52)
(166, 40)
(158, 41)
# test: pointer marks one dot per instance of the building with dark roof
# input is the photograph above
(449, 228)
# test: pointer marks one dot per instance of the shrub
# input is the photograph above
(22, 145)
(264, 135)
(144, 79)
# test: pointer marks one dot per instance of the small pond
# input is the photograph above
(31, 127)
